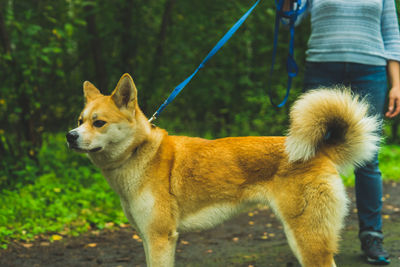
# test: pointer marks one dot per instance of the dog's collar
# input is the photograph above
(133, 153)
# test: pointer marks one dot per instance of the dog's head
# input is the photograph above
(107, 124)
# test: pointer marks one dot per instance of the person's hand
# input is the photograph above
(394, 102)
(286, 5)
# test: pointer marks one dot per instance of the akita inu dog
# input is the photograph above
(170, 184)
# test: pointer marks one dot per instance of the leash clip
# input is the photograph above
(153, 117)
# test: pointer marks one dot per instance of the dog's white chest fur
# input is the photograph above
(137, 206)
(139, 210)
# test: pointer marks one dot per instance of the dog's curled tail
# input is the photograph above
(334, 122)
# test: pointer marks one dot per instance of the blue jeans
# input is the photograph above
(371, 82)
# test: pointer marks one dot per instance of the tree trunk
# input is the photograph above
(25, 128)
(159, 52)
(130, 14)
(5, 41)
(96, 48)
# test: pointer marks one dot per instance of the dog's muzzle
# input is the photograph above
(72, 140)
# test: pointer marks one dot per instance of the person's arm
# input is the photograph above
(393, 68)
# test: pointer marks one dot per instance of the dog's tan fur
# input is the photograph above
(169, 184)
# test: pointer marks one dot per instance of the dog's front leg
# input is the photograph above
(160, 248)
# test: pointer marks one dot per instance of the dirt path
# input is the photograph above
(252, 239)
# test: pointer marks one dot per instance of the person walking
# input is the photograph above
(357, 44)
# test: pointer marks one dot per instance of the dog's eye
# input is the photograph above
(99, 123)
(80, 121)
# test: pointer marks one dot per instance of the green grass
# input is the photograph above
(68, 196)
(64, 194)
(388, 163)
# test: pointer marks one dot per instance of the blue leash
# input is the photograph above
(218, 46)
(291, 66)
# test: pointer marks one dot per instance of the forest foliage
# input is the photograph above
(48, 48)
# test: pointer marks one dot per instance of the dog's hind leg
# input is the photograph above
(310, 249)
(313, 219)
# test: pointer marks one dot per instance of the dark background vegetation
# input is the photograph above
(48, 48)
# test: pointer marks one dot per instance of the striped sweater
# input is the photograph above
(359, 31)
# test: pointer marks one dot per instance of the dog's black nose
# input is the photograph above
(72, 136)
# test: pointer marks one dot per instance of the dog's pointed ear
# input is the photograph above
(125, 94)
(90, 91)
